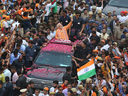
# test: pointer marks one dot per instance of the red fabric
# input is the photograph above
(1, 41)
(53, 2)
(63, 86)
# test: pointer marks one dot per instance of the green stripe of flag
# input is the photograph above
(87, 75)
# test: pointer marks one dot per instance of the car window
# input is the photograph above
(121, 3)
(54, 59)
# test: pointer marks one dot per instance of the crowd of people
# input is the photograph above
(29, 25)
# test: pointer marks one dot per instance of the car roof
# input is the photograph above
(60, 47)
(63, 48)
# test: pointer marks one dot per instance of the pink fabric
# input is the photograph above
(15, 78)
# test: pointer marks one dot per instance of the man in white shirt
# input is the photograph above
(6, 71)
(100, 80)
(97, 8)
(55, 87)
(15, 76)
(121, 17)
(107, 45)
(45, 91)
(50, 35)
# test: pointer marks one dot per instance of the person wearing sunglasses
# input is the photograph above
(59, 93)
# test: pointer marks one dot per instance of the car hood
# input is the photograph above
(47, 73)
(118, 9)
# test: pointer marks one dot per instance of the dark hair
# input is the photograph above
(93, 38)
(66, 79)
(25, 13)
(100, 75)
(77, 12)
(86, 22)
(18, 71)
(55, 81)
(64, 11)
(109, 40)
(30, 42)
(21, 4)
(121, 47)
(75, 81)
(93, 32)
(7, 79)
(59, 87)
(93, 55)
(85, 42)
(1, 82)
(68, 68)
(16, 52)
(13, 67)
(99, 45)
(31, 82)
(93, 27)
(94, 2)
(22, 25)
(15, 5)
(18, 45)
(37, 35)
(69, 83)
(114, 15)
(6, 29)
(5, 65)
(37, 90)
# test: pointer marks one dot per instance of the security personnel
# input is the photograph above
(84, 15)
(64, 19)
(101, 24)
(30, 53)
(78, 26)
(119, 32)
(109, 18)
(100, 16)
(97, 26)
(90, 16)
(94, 12)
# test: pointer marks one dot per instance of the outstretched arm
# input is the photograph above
(69, 25)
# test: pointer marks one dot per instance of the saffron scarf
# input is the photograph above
(24, 17)
(63, 30)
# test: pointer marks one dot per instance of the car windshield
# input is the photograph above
(54, 59)
(121, 3)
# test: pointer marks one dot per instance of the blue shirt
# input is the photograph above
(123, 36)
(54, 33)
(22, 47)
(31, 52)
(12, 57)
(121, 90)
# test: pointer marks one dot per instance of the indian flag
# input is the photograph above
(55, 7)
(86, 70)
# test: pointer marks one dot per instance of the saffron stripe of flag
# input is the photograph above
(86, 70)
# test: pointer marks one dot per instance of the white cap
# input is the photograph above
(23, 90)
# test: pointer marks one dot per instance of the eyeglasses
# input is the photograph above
(60, 89)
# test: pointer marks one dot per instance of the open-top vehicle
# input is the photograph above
(51, 62)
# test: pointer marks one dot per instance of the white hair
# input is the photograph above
(58, 25)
